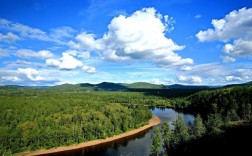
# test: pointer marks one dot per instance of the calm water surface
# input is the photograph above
(137, 145)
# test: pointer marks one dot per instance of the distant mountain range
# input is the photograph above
(241, 84)
(109, 86)
(179, 86)
(143, 85)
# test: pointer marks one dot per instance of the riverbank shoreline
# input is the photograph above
(152, 122)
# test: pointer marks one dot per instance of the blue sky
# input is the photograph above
(199, 42)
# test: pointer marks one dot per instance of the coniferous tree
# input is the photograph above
(214, 123)
(180, 131)
(167, 135)
(232, 115)
(246, 111)
(156, 142)
(199, 128)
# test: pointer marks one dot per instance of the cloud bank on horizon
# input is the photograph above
(129, 46)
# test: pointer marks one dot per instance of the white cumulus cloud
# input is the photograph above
(68, 62)
(189, 79)
(89, 69)
(85, 41)
(239, 48)
(140, 36)
(53, 62)
(233, 78)
(235, 30)
(31, 74)
(233, 25)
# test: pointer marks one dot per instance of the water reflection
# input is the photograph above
(135, 145)
(169, 115)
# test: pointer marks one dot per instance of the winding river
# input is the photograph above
(135, 145)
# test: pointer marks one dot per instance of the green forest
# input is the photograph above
(224, 128)
(43, 118)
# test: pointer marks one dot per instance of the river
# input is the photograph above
(135, 145)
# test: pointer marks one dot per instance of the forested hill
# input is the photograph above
(226, 101)
(224, 129)
(104, 86)
(108, 86)
(179, 86)
(16, 87)
(242, 84)
(147, 88)
(143, 85)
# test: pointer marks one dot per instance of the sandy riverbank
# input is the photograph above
(153, 121)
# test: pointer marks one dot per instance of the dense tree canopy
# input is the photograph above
(35, 119)
(32, 119)
(156, 145)
(232, 103)
(226, 114)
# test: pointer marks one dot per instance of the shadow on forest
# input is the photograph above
(163, 92)
(236, 140)
(108, 86)
(105, 86)
(169, 93)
